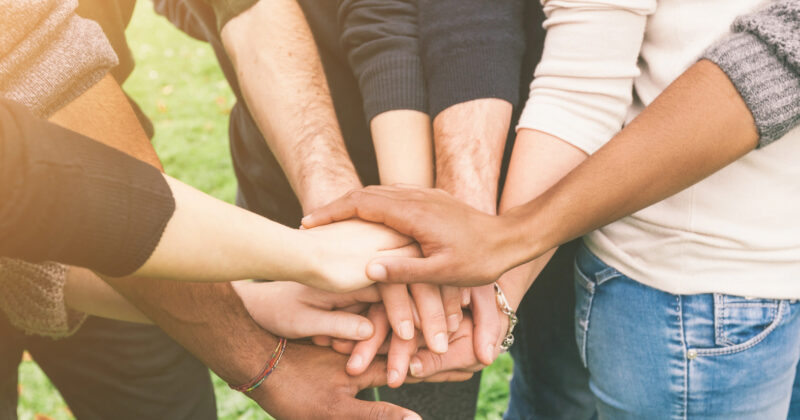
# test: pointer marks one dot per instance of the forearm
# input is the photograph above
(196, 246)
(403, 147)
(84, 291)
(698, 125)
(83, 217)
(539, 160)
(283, 82)
(201, 317)
(469, 139)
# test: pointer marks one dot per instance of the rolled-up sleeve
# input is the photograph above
(381, 40)
(583, 85)
(70, 199)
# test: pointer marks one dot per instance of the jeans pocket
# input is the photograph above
(741, 323)
(585, 287)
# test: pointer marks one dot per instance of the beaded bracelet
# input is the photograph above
(268, 369)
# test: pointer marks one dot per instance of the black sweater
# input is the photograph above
(108, 208)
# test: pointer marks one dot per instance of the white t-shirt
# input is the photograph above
(736, 232)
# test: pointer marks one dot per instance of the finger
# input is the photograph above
(358, 308)
(466, 293)
(366, 295)
(343, 346)
(363, 204)
(431, 313)
(364, 351)
(337, 324)
(400, 352)
(427, 363)
(321, 340)
(451, 299)
(452, 376)
(352, 408)
(408, 270)
(487, 323)
(397, 302)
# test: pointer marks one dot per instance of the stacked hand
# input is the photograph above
(449, 233)
(419, 327)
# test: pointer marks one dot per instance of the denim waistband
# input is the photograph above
(590, 263)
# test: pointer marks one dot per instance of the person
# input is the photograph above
(697, 126)
(268, 185)
(167, 305)
(90, 356)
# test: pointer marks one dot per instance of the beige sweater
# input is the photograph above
(48, 57)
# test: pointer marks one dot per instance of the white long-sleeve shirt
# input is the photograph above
(736, 232)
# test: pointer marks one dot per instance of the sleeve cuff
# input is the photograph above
(768, 86)
(32, 297)
(225, 10)
(482, 73)
(393, 82)
(578, 130)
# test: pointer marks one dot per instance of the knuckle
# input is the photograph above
(378, 411)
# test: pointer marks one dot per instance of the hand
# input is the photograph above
(435, 310)
(310, 383)
(450, 234)
(340, 251)
(398, 351)
(294, 310)
(460, 358)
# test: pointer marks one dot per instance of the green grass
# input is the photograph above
(179, 86)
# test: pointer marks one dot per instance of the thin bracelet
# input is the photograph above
(268, 369)
(505, 308)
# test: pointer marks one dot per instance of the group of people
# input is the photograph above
(604, 188)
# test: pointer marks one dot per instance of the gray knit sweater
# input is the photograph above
(762, 59)
(48, 57)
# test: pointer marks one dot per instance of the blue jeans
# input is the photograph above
(549, 379)
(655, 355)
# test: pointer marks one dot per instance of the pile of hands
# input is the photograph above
(418, 331)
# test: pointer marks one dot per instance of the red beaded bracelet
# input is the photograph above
(268, 369)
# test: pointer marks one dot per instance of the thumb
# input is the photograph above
(339, 324)
(352, 408)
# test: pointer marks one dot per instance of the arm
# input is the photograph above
(282, 80)
(696, 126)
(202, 316)
(578, 100)
(473, 54)
(382, 44)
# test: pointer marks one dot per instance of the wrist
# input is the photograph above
(524, 234)
(248, 363)
(481, 197)
(318, 191)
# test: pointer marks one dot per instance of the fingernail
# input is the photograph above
(406, 330)
(440, 342)
(452, 322)
(355, 362)
(364, 330)
(376, 272)
(490, 350)
(304, 219)
(465, 299)
(393, 376)
(415, 366)
(410, 417)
